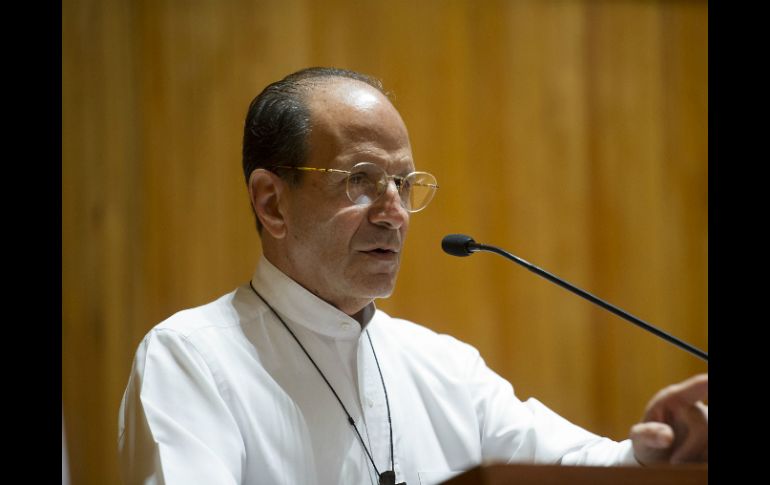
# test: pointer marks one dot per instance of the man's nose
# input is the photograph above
(387, 210)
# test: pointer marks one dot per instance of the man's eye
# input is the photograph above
(358, 178)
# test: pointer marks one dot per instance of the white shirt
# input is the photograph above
(223, 394)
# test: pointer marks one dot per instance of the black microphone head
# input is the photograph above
(457, 244)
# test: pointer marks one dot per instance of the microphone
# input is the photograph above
(458, 245)
(462, 245)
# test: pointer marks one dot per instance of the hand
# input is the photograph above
(674, 428)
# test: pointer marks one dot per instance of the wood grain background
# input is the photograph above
(572, 133)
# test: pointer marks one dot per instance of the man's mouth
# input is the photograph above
(382, 253)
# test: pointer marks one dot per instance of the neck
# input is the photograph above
(358, 309)
(365, 314)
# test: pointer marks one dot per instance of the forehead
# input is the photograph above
(335, 94)
(351, 119)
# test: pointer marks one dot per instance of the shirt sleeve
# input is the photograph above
(513, 431)
(174, 426)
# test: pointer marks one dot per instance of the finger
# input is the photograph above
(691, 454)
(694, 448)
(704, 409)
(651, 442)
(686, 392)
(691, 443)
(655, 435)
(694, 389)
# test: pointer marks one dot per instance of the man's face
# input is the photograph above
(348, 254)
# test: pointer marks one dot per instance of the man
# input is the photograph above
(296, 377)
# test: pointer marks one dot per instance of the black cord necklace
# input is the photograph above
(388, 477)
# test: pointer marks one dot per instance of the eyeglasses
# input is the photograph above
(366, 182)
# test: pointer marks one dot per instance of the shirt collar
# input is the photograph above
(293, 302)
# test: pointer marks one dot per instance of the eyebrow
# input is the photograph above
(410, 168)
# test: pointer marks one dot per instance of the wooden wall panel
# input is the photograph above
(572, 133)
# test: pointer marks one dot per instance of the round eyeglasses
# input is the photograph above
(366, 182)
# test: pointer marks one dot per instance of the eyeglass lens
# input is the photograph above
(367, 182)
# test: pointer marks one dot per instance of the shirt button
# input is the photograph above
(369, 402)
(345, 324)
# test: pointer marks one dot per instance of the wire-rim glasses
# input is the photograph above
(366, 182)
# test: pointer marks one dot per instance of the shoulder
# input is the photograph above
(206, 327)
(202, 340)
(218, 314)
(417, 340)
(223, 315)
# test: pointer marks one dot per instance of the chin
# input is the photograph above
(378, 289)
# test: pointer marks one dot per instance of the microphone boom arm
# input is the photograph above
(473, 246)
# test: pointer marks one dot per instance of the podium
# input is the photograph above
(582, 475)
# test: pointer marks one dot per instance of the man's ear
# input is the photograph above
(266, 191)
